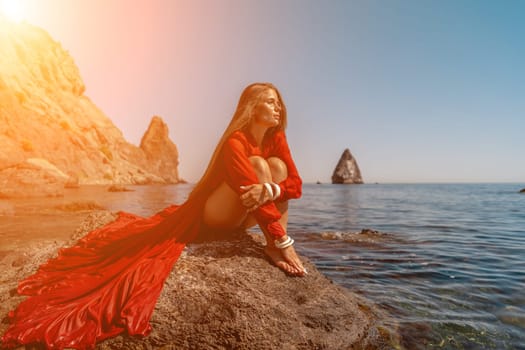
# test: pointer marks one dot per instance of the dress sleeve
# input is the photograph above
(291, 187)
(239, 172)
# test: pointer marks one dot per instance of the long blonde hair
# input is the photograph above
(240, 121)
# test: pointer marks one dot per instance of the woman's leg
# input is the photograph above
(275, 171)
(279, 172)
(224, 210)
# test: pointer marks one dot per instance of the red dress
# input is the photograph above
(109, 282)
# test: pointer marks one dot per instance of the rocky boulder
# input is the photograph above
(160, 151)
(226, 295)
(45, 114)
(347, 171)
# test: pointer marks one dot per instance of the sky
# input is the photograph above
(419, 91)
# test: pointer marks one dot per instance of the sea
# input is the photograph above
(446, 262)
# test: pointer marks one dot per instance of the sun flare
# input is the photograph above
(12, 9)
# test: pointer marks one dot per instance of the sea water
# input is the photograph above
(446, 261)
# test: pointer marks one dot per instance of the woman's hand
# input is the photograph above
(254, 196)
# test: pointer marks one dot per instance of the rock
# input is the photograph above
(522, 190)
(32, 178)
(48, 167)
(119, 188)
(44, 114)
(347, 171)
(161, 152)
(79, 206)
(72, 182)
(226, 295)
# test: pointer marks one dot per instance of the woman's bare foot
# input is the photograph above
(291, 258)
(278, 258)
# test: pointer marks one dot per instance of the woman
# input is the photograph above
(110, 280)
(254, 151)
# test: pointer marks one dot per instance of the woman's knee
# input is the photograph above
(278, 169)
(261, 168)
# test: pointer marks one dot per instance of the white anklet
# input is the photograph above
(281, 245)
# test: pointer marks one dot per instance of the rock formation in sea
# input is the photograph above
(45, 115)
(161, 153)
(226, 295)
(522, 190)
(347, 171)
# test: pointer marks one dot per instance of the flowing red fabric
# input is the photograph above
(110, 280)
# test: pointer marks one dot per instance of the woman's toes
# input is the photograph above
(283, 266)
(296, 271)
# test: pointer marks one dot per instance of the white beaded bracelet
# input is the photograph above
(269, 189)
(277, 192)
(285, 244)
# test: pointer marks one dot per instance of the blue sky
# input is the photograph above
(420, 91)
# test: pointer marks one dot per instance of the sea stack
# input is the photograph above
(347, 171)
(160, 151)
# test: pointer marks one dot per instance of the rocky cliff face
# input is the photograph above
(45, 115)
(347, 171)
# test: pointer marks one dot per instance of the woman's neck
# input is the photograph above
(257, 133)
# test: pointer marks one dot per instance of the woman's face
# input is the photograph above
(267, 112)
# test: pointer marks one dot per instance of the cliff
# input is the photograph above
(347, 171)
(226, 295)
(45, 115)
